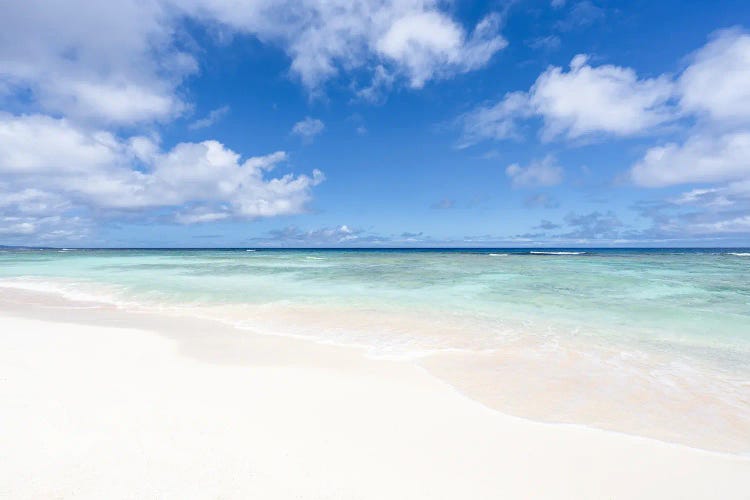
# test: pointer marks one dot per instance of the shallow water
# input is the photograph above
(655, 342)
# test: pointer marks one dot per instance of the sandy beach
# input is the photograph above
(106, 404)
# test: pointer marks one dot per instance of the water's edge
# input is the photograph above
(458, 369)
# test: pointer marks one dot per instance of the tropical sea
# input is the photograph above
(652, 342)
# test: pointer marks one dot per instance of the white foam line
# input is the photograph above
(556, 253)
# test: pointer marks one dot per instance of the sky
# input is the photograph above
(327, 123)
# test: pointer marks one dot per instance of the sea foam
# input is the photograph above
(538, 252)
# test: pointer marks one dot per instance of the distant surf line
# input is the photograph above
(537, 252)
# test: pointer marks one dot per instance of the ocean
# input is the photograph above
(654, 342)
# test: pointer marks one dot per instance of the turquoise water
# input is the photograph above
(690, 300)
(665, 330)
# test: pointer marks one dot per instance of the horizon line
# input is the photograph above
(33, 247)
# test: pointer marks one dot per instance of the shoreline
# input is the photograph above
(381, 428)
(509, 380)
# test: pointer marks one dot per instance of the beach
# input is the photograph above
(298, 374)
(102, 403)
(374, 250)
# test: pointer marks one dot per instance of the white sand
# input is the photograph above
(104, 412)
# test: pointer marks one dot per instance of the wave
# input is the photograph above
(740, 254)
(498, 254)
(75, 291)
(249, 250)
(555, 253)
(315, 258)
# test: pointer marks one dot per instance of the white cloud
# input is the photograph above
(96, 170)
(702, 158)
(607, 99)
(116, 63)
(717, 82)
(200, 215)
(51, 228)
(96, 77)
(42, 145)
(116, 103)
(715, 88)
(122, 62)
(711, 98)
(308, 128)
(538, 173)
(708, 102)
(499, 121)
(427, 44)
(721, 197)
(33, 212)
(213, 116)
(31, 202)
(583, 101)
(414, 39)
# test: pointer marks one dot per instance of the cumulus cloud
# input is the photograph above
(116, 64)
(78, 167)
(416, 40)
(122, 63)
(608, 99)
(717, 82)
(582, 101)
(308, 128)
(428, 44)
(709, 99)
(701, 158)
(538, 173)
(713, 88)
(44, 145)
(91, 82)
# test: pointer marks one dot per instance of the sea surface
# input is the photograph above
(645, 341)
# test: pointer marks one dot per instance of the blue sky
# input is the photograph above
(375, 123)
